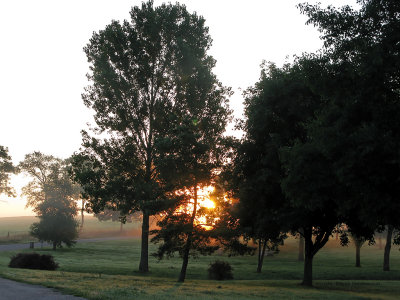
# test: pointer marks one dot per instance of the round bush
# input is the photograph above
(220, 270)
(33, 261)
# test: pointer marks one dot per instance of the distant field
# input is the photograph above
(16, 229)
(107, 270)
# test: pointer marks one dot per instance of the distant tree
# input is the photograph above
(6, 169)
(115, 216)
(143, 73)
(39, 167)
(57, 223)
(53, 196)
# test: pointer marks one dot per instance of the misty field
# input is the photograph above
(107, 270)
(16, 229)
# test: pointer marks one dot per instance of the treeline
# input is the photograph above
(320, 146)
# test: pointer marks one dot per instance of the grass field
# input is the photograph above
(107, 270)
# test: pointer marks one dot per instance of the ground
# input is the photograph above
(107, 270)
(17, 290)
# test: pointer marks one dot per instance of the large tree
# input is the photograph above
(360, 128)
(143, 72)
(6, 169)
(283, 179)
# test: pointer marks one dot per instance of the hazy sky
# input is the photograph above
(43, 67)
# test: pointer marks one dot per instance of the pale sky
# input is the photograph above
(43, 66)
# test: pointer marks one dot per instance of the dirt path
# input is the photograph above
(22, 291)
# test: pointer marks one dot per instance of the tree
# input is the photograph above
(189, 157)
(52, 195)
(142, 72)
(6, 169)
(283, 177)
(39, 167)
(256, 183)
(57, 223)
(115, 216)
(363, 83)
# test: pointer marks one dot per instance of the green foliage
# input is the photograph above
(332, 120)
(56, 228)
(6, 169)
(358, 129)
(149, 76)
(220, 270)
(52, 195)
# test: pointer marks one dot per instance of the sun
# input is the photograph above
(203, 195)
(204, 201)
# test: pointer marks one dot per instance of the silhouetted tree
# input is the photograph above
(283, 179)
(190, 154)
(143, 72)
(360, 127)
(6, 169)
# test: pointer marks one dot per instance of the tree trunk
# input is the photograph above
(358, 250)
(386, 255)
(54, 246)
(261, 254)
(185, 262)
(188, 245)
(301, 247)
(82, 215)
(307, 276)
(144, 251)
(120, 226)
(312, 248)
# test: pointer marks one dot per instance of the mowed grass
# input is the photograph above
(107, 270)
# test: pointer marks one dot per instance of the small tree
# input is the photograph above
(53, 196)
(189, 156)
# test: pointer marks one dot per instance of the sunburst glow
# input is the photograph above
(203, 201)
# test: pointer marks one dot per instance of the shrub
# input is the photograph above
(220, 270)
(33, 261)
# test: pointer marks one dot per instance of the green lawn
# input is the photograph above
(107, 270)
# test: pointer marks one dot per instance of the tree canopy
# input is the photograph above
(6, 169)
(145, 73)
(52, 195)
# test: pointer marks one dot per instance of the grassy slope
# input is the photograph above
(106, 270)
